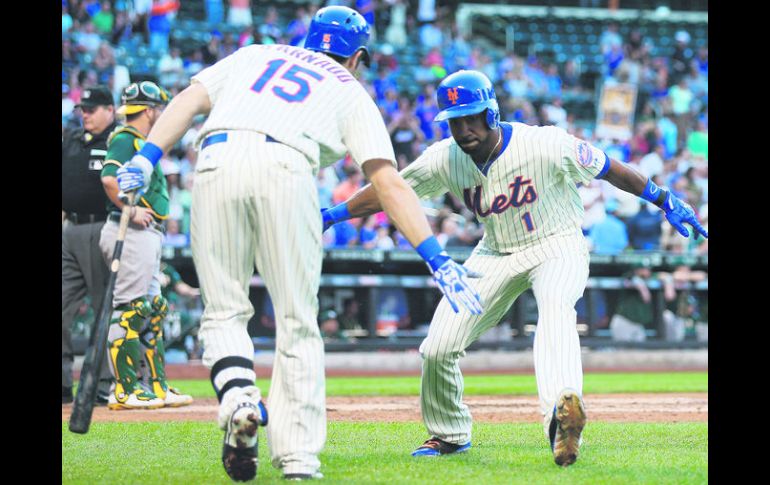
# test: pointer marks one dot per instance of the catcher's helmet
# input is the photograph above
(139, 96)
(340, 31)
(467, 93)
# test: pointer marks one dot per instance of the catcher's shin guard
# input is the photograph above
(154, 349)
(124, 349)
(155, 356)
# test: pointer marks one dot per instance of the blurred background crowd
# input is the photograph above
(548, 69)
(415, 44)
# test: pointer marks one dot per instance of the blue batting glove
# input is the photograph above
(135, 174)
(451, 278)
(678, 213)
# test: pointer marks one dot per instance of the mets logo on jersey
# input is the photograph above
(452, 95)
(521, 192)
(584, 153)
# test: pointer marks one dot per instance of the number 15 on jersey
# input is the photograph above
(290, 80)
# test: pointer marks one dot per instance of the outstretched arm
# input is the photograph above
(677, 212)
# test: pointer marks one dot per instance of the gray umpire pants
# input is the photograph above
(83, 272)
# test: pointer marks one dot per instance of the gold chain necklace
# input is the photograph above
(499, 139)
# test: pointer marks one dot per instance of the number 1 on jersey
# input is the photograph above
(527, 218)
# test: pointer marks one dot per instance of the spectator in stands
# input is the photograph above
(269, 29)
(553, 113)
(329, 326)
(171, 71)
(297, 29)
(570, 77)
(681, 99)
(610, 38)
(634, 311)
(593, 204)
(424, 73)
(612, 60)
(194, 64)
(682, 56)
(229, 45)
(353, 181)
(248, 37)
(350, 318)
(67, 105)
(66, 19)
(644, 229)
(173, 237)
(516, 84)
(431, 35)
(239, 14)
(652, 163)
(104, 19)
(693, 187)
(699, 85)
(382, 83)
(618, 149)
(640, 142)
(122, 28)
(608, 236)
(698, 139)
(215, 12)
(395, 34)
(88, 40)
(69, 59)
(141, 18)
(212, 51)
(367, 235)
(668, 132)
(702, 60)
(104, 60)
(159, 24)
(392, 311)
(426, 110)
(404, 129)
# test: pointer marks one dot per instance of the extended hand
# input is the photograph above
(452, 280)
(678, 213)
(135, 174)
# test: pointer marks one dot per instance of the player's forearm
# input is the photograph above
(178, 115)
(402, 206)
(364, 202)
(625, 178)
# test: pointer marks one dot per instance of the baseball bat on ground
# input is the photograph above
(83, 407)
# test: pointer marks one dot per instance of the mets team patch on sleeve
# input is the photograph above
(588, 155)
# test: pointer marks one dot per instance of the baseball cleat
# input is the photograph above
(303, 476)
(139, 399)
(567, 422)
(239, 450)
(436, 447)
(175, 399)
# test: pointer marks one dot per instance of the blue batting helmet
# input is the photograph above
(340, 31)
(467, 93)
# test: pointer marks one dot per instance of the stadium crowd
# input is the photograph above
(670, 134)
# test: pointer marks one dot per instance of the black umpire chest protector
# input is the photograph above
(82, 159)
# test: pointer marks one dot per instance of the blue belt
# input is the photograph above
(222, 137)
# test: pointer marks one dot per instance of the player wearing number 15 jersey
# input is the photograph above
(521, 182)
(276, 114)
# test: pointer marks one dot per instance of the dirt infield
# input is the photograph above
(641, 408)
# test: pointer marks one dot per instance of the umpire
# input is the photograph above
(84, 210)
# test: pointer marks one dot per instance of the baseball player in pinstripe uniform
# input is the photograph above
(276, 114)
(521, 182)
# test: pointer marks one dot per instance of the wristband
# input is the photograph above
(431, 251)
(337, 213)
(653, 193)
(151, 152)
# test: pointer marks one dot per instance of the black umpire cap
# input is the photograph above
(96, 96)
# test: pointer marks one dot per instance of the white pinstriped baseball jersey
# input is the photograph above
(528, 201)
(527, 195)
(303, 99)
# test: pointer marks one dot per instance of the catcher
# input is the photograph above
(136, 328)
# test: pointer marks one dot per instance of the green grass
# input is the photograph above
(189, 453)
(490, 384)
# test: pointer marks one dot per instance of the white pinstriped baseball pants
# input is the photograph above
(255, 203)
(557, 272)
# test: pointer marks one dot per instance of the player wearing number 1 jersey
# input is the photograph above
(276, 115)
(521, 183)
